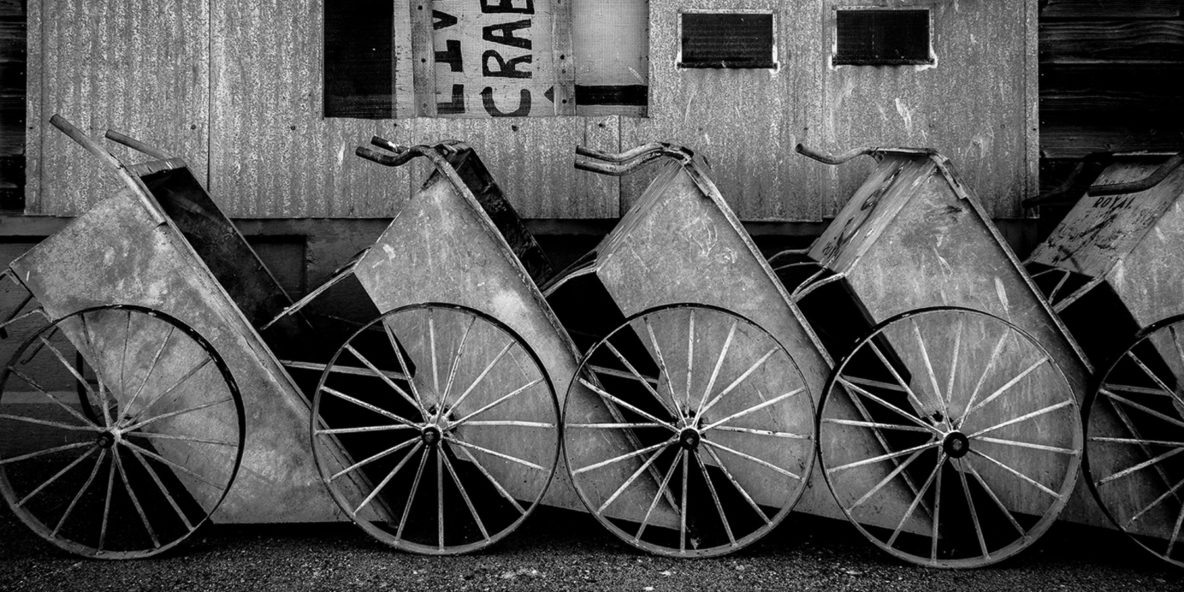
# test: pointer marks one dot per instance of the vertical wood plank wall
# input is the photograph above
(251, 73)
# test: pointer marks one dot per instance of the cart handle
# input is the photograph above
(617, 165)
(134, 144)
(404, 154)
(1073, 184)
(835, 159)
(133, 182)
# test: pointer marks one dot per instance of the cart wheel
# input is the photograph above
(155, 461)
(436, 429)
(721, 427)
(949, 438)
(1135, 433)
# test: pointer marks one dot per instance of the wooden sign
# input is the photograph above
(493, 58)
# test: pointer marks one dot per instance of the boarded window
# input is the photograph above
(882, 37)
(727, 40)
(358, 45)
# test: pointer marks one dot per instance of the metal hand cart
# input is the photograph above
(1114, 271)
(948, 430)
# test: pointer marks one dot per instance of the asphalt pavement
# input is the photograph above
(561, 550)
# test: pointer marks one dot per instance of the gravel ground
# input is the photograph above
(559, 550)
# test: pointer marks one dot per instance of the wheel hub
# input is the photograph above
(689, 438)
(106, 439)
(956, 445)
(431, 435)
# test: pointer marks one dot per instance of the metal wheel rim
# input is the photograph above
(1135, 391)
(732, 482)
(971, 447)
(128, 469)
(415, 455)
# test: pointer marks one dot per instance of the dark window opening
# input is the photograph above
(727, 40)
(882, 37)
(359, 81)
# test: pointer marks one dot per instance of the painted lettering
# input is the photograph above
(451, 56)
(442, 20)
(457, 105)
(504, 34)
(506, 6)
(504, 69)
(491, 108)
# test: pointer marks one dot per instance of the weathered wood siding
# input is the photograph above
(1109, 76)
(12, 104)
(236, 88)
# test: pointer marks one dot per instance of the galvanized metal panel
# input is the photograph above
(745, 122)
(441, 247)
(1150, 278)
(115, 253)
(138, 66)
(977, 103)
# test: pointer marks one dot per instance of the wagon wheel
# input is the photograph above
(436, 429)
(719, 424)
(949, 437)
(1135, 432)
(155, 462)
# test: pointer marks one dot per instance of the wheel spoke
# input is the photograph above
(163, 490)
(978, 527)
(753, 368)
(682, 528)
(941, 459)
(756, 432)
(937, 514)
(368, 406)
(1007, 386)
(1165, 495)
(755, 408)
(465, 496)
(102, 392)
(482, 375)
(56, 476)
(639, 378)
(183, 469)
(127, 337)
(1144, 409)
(896, 375)
(1138, 441)
(1029, 445)
(496, 484)
(869, 382)
(719, 362)
(949, 399)
(460, 348)
(157, 418)
(45, 452)
(1136, 390)
(1140, 466)
(496, 402)
(107, 505)
(1175, 533)
(1020, 419)
(750, 458)
(177, 384)
(735, 483)
(374, 457)
(1158, 382)
(386, 379)
(937, 393)
(127, 486)
(363, 429)
(893, 408)
(511, 423)
(690, 359)
(662, 370)
(877, 425)
(887, 479)
(998, 349)
(440, 497)
(403, 364)
(148, 374)
(78, 496)
(37, 387)
(658, 495)
(883, 457)
(387, 479)
(719, 507)
(500, 455)
(646, 465)
(423, 461)
(613, 426)
(626, 456)
(1023, 477)
(991, 494)
(160, 436)
(604, 395)
(432, 347)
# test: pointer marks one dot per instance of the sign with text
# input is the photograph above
(502, 58)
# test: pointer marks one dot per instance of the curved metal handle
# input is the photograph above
(1088, 168)
(835, 159)
(617, 165)
(1155, 178)
(82, 139)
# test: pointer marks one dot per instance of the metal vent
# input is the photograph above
(727, 40)
(882, 37)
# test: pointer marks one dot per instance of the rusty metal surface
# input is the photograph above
(115, 254)
(442, 247)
